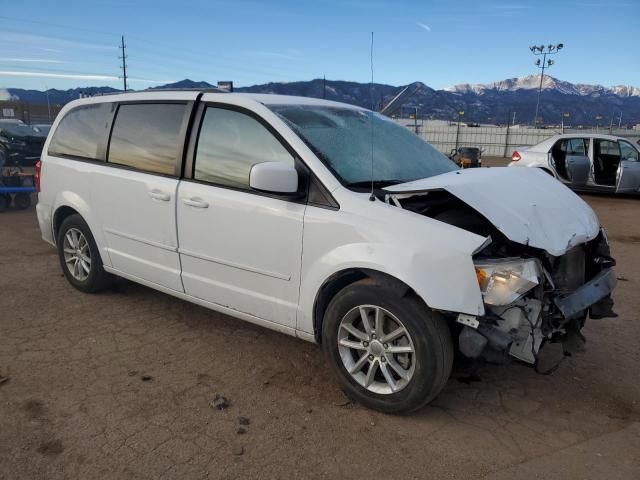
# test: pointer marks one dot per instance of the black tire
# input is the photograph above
(97, 279)
(433, 347)
(22, 200)
(5, 201)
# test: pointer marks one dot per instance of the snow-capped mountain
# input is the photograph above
(532, 82)
(482, 103)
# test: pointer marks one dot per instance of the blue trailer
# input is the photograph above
(20, 196)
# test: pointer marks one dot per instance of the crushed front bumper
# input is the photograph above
(576, 286)
(596, 289)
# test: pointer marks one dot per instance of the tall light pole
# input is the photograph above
(544, 63)
(415, 117)
(460, 115)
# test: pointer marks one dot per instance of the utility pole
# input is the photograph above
(598, 118)
(506, 136)
(460, 115)
(124, 64)
(544, 51)
(415, 118)
(564, 115)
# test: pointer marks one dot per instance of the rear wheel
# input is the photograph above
(389, 352)
(79, 256)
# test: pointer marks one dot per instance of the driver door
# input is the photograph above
(239, 248)
(628, 180)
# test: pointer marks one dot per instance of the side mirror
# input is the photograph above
(274, 177)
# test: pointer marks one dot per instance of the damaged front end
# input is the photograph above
(538, 299)
(531, 297)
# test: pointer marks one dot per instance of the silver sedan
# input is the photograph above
(586, 161)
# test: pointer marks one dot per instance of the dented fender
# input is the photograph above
(433, 258)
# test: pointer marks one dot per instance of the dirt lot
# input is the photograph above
(119, 385)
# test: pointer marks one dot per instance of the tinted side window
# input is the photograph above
(82, 131)
(577, 146)
(607, 147)
(146, 136)
(628, 151)
(230, 143)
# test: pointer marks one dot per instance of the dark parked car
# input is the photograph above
(20, 144)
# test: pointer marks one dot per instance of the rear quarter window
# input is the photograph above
(82, 132)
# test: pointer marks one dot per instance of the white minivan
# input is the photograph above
(325, 221)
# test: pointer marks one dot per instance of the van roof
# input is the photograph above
(190, 94)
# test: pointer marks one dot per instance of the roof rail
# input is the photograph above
(147, 90)
(195, 89)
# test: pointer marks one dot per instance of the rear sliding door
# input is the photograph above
(135, 191)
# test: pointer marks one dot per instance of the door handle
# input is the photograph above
(159, 195)
(195, 202)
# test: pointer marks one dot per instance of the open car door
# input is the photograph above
(578, 167)
(628, 176)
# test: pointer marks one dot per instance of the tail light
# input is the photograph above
(37, 176)
(515, 156)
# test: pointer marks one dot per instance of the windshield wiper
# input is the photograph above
(376, 183)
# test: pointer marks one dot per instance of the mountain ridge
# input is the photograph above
(494, 102)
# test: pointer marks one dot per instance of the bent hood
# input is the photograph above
(526, 204)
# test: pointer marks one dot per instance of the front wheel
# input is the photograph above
(79, 256)
(390, 352)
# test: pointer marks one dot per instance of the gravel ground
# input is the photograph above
(121, 384)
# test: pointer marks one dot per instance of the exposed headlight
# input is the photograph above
(504, 281)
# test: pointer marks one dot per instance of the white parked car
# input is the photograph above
(586, 161)
(324, 221)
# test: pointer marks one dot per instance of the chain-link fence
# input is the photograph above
(496, 141)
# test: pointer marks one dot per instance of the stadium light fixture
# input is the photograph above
(550, 49)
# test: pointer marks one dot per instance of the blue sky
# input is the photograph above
(69, 43)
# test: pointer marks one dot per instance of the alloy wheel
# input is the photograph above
(376, 349)
(77, 254)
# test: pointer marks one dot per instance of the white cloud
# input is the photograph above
(44, 42)
(29, 60)
(422, 25)
(9, 73)
(77, 76)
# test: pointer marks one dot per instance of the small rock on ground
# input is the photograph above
(220, 402)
